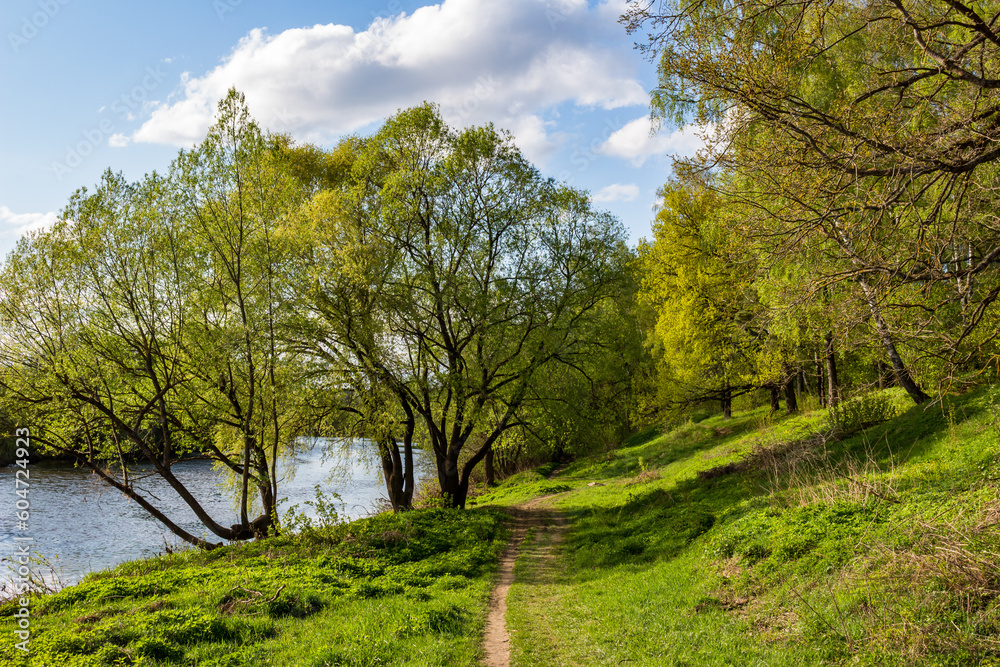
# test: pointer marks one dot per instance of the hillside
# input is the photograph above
(760, 541)
(767, 540)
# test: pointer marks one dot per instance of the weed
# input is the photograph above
(861, 412)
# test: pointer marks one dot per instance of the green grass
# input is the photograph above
(753, 541)
(408, 589)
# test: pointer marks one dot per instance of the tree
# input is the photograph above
(586, 403)
(885, 163)
(706, 336)
(144, 325)
(446, 273)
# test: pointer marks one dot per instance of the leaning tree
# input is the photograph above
(144, 326)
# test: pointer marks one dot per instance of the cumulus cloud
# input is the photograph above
(616, 192)
(22, 223)
(481, 60)
(637, 141)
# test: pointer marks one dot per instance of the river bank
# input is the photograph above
(390, 589)
(79, 525)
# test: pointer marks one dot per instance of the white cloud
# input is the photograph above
(118, 140)
(22, 223)
(616, 192)
(481, 60)
(637, 142)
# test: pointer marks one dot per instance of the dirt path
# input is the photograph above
(526, 517)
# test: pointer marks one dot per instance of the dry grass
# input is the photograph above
(950, 580)
(645, 476)
(932, 586)
(803, 473)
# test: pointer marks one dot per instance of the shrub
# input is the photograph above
(861, 412)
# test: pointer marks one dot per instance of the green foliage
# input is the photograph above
(703, 338)
(860, 412)
(821, 536)
(96, 589)
(838, 177)
(433, 221)
(327, 507)
(144, 323)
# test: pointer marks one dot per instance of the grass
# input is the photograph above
(408, 589)
(867, 537)
(760, 541)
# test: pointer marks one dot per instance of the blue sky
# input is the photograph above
(123, 85)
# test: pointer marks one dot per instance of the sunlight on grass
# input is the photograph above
(410, 589)
(772, 541)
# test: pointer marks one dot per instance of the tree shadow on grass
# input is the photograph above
(655, 523)
(654, 449)
(913, 435)
(651, 526)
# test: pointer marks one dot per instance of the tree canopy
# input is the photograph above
(420, 284)
(858, 140)
(447, 272)
(145, 324)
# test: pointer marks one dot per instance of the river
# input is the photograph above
(78, 524)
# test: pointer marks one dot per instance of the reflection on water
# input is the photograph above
(82, 525)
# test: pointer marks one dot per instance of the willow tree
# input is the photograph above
(445, 271)
(867, 132)
(142, 326)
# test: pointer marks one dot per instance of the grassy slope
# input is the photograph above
(720, 543)
(408, 590)
(748, 542)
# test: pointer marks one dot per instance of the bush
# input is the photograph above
(861, 412)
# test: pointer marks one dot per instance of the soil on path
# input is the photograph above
(545, 522)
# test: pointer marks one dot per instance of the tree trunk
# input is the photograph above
(832, 390)
(791, 404)
(397, 470)
(131, 493)
(408, 485)
(456, 490)
(262, 525)
(488, 466)
(448, 478)
(819, 381)
(727, 402)
(392, 472)
(899, 369)
(775, 398)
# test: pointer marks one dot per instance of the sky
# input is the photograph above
(94, 85)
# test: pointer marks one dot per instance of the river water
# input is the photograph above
(78, 524)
